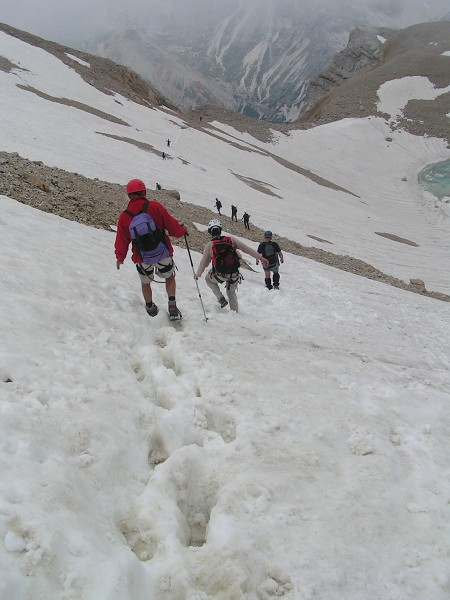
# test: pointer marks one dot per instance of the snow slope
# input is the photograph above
(379, 175)
(297, 449)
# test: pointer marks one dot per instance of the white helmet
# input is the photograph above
(214, 223)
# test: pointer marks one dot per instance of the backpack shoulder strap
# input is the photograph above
(143, 209)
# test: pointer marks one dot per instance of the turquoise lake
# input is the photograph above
(435, 178)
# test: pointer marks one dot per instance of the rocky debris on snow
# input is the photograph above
(98, 204)
(202, 116)
(418, 284)
(7, 66)
(79, 105)
(397, 238)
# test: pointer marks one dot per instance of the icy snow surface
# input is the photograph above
(298, 450)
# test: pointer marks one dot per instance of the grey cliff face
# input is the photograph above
(364, 50)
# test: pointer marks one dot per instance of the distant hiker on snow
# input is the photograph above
(234, 213)
(272, 252)
(168, 143)
(246, 219)
(164, 155)
(158, 187)
(218, 205)
(145, 224)
(221, 251)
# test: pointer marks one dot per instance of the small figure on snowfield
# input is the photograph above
(272, 252)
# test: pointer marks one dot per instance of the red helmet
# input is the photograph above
(135, 185)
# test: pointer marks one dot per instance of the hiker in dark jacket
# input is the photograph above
(272, 251)
(164, 268)
(218, 205)
(234, 213)
(246, 219)
(214, 277)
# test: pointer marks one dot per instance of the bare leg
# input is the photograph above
(147, 292)
(171, 286)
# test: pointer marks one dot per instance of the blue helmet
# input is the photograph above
(268, 234)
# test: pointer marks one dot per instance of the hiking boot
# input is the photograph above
(276, 286)
(174, 313)
(151, 309)
(222, 301)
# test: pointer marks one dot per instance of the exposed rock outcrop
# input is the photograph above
(364, 50)
(418, 51)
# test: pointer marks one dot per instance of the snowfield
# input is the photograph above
(298, 449)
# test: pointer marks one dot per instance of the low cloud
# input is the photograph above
(73, 23)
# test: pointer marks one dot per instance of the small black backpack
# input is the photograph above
(271, 254)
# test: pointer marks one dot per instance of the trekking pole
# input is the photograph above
(195, 279)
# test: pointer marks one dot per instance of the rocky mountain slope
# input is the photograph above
(97, 203)
(348, 87)
(365, 49)
(253, 56)
(102, 73)
(417, 51)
